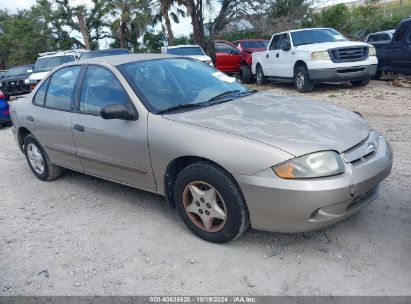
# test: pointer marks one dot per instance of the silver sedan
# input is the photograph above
(225, 156)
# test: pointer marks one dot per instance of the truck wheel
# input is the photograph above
(377, 76)
(360, 83)
(210, 203)
(245, 74)
(260, 78)
(302, 81)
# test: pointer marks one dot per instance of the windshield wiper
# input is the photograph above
(235, 93)
(182, 107)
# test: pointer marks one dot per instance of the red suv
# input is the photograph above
(227, 57)
(247, 47)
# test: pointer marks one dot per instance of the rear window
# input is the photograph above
(257, 44)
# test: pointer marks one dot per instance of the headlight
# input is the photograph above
(371, 51)
(318, 164)
(323, 55)
(33, 81)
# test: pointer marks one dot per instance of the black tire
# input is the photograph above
(260, 77)
(7, 124)
(236, 222)
(302, 81)
(360, 83)
(50, 171)
(245, 74)
(377, 76)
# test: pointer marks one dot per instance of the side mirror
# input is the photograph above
(118, 111)
(286, 46)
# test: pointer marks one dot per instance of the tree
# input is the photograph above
(22, 36)
(165, 10)
(154, 41)
(131, 20)
(89, 22)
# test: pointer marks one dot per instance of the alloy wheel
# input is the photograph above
(204, 206)
(300, 80)
(35, 158)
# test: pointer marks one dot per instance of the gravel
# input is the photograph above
(80, 235)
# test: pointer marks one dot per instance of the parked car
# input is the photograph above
(15, 81)
(224, 155)
(227, 57)
(102, 53)
(247, 47)
(379, 37)
(5, 119)
(395, 56)
(310, 56)
(192, 51)
(2, 73)
(48, 61)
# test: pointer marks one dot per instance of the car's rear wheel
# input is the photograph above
(260, 77)
(245, 74)
(210, 203)
(302, 81)
(38, 160)
(360, 83)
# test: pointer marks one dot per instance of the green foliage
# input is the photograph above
(183, 40)
(233, 36)
(354, 22)
(22, 36)
(154, 41)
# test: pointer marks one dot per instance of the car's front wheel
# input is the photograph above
(245, 74)
(38, 160)
(210, 203)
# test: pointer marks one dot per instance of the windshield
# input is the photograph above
(316, 36)
(23, 70)
(45, 64)
(104, 53)
(255, 44)
(186, 51)
(168, 83)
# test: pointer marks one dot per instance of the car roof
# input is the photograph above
(182, 46)
(383, 32)
(23, 65)
(117, 60)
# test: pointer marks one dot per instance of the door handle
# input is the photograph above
(277, 55)
(78, 128)
(267, 56)
(30, 118)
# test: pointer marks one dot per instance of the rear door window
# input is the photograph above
(41, 93)
(60, 93)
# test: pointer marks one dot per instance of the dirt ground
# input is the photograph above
(80, 235)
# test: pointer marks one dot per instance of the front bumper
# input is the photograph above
(343, 73)
(282, 205)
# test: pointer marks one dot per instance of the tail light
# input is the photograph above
(7, 112)
(2, 96)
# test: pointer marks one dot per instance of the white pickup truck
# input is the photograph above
(314, 55)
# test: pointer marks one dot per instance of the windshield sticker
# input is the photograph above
(223, 77)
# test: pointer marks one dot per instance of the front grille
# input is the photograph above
(349, 54)
(363, 151)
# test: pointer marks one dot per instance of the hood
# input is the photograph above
(38, 75)
(15, 78)
(293, 124)
(200, 57)
(252, 50)
(330, 45)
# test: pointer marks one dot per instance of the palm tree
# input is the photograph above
(164, 13)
